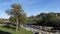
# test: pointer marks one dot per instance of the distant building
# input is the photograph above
(57, 14)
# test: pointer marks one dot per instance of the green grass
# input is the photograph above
(21, 31)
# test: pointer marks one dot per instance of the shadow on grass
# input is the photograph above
(3, 32)
(13, 28)
(8, 25)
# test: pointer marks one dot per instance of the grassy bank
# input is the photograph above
(9, 30)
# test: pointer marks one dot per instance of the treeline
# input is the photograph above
(47, 19)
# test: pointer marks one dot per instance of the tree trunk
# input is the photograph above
(17, 26)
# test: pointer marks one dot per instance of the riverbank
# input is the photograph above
(11, 31)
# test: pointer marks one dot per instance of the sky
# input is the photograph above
(30, 7)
